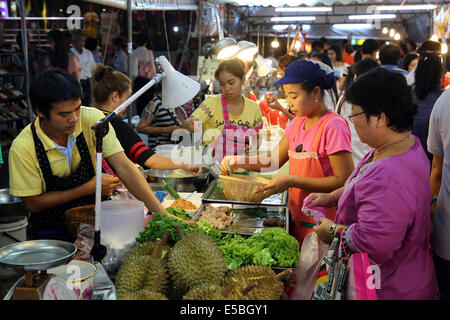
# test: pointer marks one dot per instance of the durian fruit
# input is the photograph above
(146, 249)
(210, 291)
(195, 260)
(140, 272)
(144, 295)
(255, 283)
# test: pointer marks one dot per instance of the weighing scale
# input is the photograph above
(33, 259)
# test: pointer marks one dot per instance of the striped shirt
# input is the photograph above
(164, 117)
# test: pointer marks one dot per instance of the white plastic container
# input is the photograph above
(120, 222)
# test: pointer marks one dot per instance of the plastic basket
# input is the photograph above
(243, 188)
(77, 215)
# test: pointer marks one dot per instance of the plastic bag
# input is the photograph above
(314, 212)
(84, 242)
(304, 276)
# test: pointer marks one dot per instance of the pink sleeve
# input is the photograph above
(380, 230)
(74, 64)
(337, 136)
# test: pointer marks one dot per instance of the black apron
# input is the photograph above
(50, 224)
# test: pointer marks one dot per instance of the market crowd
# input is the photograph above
(367, 140)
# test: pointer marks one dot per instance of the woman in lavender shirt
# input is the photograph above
(384, 207)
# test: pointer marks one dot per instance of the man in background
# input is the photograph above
(369, 49)
(87, 63)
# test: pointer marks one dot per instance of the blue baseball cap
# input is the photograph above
(315, 72)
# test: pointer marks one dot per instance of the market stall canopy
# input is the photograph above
(153, 5)
(332, 18)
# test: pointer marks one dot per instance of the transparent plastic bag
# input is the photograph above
(305, 275)
(84, 242)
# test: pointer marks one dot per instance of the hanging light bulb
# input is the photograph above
(275, 43)
(297, 45)
(444, 48)
(397, 36)
(392, 33)
(435, 38)
(385, 30)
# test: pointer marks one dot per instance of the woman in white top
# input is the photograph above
(340, 67)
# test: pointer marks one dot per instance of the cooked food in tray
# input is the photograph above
(217, 217)
(183, 204)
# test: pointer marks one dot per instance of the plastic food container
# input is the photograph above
(120, 222)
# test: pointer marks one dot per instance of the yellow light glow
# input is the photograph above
(297, 45)
(227, 52)
(392, 33)
(275, 44)
(397, 36)
(434, 37)
(385, 30)
(444, 48)
(247, 54)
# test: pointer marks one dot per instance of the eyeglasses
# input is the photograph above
(351, 115)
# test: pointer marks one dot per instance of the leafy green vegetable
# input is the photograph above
(283, 247)
(271, 247)
(180, 213)
(205, 228)
(158, 224)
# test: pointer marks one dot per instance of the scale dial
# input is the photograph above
(56, 289)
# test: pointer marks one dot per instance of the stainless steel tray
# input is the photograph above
(212, 194)
(248, 224)
(36, 255)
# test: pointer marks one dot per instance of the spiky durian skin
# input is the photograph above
(139, 272)
(205, 291)
(194, 260)
(146, 249)
(268, 287)
(144, 295)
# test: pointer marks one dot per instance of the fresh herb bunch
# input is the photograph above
(158, 224)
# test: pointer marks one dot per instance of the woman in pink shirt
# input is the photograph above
(384, 207)
(316, 143)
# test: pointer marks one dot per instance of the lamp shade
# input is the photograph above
(177, 88)
(226, 48)
(247, 50)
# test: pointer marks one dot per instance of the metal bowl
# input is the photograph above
(36, 255)
(189, 183)
(11, 208)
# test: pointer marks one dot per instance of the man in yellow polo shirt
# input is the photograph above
(52, 161)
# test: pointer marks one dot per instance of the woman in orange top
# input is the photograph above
(316, 143)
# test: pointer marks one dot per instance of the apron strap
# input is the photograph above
(315, 145)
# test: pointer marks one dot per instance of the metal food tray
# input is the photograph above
(213, 195)
(36, 255)
(245, 224)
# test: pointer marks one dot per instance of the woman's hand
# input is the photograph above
(192, 169)
(232, 161)
(323, 230)
(108, 184)
(278, 184)
(320, 200)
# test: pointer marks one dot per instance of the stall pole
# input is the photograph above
(23, 28)
(130, 51)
